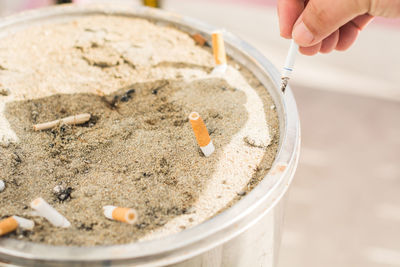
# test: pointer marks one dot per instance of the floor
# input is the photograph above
(344, 206)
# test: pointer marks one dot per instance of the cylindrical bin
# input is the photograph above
(247, 234)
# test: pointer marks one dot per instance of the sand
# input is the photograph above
(139, 81)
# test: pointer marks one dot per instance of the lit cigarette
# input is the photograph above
(201, 133)
(219, 52)
(46, 211)
(12, 223)
(72, 120)
(125, 215)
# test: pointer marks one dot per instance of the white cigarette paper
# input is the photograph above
(46, 211)
(72, 120)
(24, 223)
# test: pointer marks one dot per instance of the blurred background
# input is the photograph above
(344, 206)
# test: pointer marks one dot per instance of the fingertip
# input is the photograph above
(285, 35)
(302, 35)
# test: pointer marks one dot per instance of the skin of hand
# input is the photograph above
(325, 25)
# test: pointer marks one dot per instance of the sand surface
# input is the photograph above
(138, 150)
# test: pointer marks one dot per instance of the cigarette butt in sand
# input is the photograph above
(12, 223)
(219, 52)
(8, 225)
(46, 211)
(24, 223)
(199, 39)
(152, 3)
(125, 215)
(201, 133)
(2, 185)
(72, 120)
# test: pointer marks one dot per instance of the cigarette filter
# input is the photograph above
(72, 120)
(152, 3)
(199, 39)
(8, 225)
(201, 133)
(125, 215)
(219, 52)
(12, 223)
(49, 213)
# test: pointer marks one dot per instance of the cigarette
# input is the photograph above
(201, 133)
(289, 65)
(2, 185)
(199, 39)
(219, 52)
(72, 120)
(125, 215)
(152, 3)
(12, 223)
(46, 211)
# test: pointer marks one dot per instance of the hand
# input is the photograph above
(325, 25)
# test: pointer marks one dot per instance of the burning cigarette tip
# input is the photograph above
(72, 120)
(126, 215)
(46, 211)
(201, 133)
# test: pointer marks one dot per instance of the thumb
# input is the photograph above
(321, 18)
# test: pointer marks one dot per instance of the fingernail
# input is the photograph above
(302, 35)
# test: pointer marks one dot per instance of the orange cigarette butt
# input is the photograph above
(219, 48)
(8, 225)
(199, 39)
(201, 133)
(125, 215)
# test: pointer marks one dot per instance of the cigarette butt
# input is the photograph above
(126, 215)
(152, 3)
(24, 223)
(219, 48)
(2, 185)
(201, 133)
(12, 223)
(46, 211)
(199, 39)
(8, 225)
(72, 120)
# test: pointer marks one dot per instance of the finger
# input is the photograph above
(362, 21)
(311, 50)
(321, 18)
(288, 12)
(330, 42)
(347, 36)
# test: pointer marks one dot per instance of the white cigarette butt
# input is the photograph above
(24, 223)
(44, 210)
(72, 120)
(2, 185)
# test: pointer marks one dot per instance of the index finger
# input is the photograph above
(288, 12)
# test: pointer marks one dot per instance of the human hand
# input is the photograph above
(325, 25)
